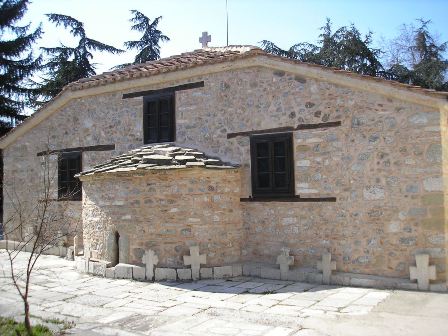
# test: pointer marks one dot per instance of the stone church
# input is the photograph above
(245, 155)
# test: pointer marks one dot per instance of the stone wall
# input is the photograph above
(383, 164)
(166, 211)
(83, 122)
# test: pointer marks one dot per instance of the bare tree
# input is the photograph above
(398, 50)
(417, 57)
(35, 225)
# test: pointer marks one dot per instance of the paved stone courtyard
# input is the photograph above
(238, 306)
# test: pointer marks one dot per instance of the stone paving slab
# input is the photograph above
(237, 306)
(90, 300)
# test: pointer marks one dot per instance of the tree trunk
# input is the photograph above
(27, 318)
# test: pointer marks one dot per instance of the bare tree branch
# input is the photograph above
(34, 226)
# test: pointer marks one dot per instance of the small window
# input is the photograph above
(69, 187)
(272, 165)
(158, 119)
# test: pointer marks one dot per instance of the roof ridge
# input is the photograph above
(209, 54)
(212, 55)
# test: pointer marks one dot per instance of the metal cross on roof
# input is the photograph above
(205, 39)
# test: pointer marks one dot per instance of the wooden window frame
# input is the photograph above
(272, 191)
(147, 137)
(65, 182)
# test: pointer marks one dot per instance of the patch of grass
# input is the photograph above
(9, 327)
(267, 292)
(54, 321)
(65, 324)
(68, 325)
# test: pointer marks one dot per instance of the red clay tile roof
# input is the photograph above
(215, 55)
(172, 63)
(209, 56)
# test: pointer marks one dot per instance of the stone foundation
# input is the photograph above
(60, 251)
(257, 270)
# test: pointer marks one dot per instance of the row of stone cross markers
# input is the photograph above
(195, 272)
(422, 272)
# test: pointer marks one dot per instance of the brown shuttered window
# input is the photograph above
(69, 187)
(272, 165)
(158, 119)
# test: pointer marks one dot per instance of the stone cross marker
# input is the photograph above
(75, 246)
(205, 39)
(87, 251)
(123, 249)
(29, 235)
(422, 272)
(150, 259)
(61, 239)
(284, 260)
(195, 260)
(326, 266)
(86, 256)
(111, 248)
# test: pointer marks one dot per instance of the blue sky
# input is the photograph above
(284, 22)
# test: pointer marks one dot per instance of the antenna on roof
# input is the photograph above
(227, 19)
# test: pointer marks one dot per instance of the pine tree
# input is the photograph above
(69, 64)
(303, 51)
(148, 45)
(17, 64)
(431, 68)
(344, 49)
